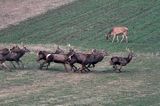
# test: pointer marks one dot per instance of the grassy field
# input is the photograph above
(83, 24)
(137, 85)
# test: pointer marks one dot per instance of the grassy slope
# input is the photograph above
(137, 86)
(83, 23)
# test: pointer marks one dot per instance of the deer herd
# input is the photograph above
(85, 60)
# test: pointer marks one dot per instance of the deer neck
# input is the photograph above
(129, 58)
(21, 53)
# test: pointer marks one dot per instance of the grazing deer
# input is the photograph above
(43, 54)
(116, 32)
(121, 61)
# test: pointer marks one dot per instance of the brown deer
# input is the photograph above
(86, 59)
(3, 53)
(15, 55)
(121, 61)
(98, 57)
(57, 58)
(116, 32)
(43, 54)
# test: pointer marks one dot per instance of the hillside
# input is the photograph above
(83, 23)
(15, 11)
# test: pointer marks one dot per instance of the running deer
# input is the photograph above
(86, 59)
(121, 61)
(43, 54)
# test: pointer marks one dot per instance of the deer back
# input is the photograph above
(4, 51)
(119, 30)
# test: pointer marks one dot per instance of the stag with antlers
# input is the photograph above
(121, 61)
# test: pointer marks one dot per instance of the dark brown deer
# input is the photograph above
(121, 61)
(43, 54)
(3, 53)
(57, 58)
(85, 59)
(98, 57)
(116, 32)
(15, 55)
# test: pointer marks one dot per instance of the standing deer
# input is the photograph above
(116, 32)
(121, 61)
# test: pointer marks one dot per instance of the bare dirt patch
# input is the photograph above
(14, 11)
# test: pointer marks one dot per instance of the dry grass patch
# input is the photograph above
(42, 80)
(15, 11)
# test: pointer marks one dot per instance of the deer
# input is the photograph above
(121, 61)
(4, 52)
(43, 54)
(15, 55)
(116, 32)
(98, 57)
(58, 58)
(85, 59)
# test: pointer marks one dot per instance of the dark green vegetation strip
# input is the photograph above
(84, 23)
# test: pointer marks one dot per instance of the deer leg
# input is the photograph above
(113, 38)
(120, 68)
(88, 70)
(42, 65)
(114, 67)
(65, 67)
(126, 38)
(117, 39)
(13, 64)
(5, 66)
(18, 63)
(73, 67)
(22, 65)
(82, 68)
(48, 65)
(89, 65)
(122, 38)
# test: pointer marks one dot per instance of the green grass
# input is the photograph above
(137, 85)
(83, 23)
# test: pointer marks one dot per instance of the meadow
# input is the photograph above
(83, 24)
